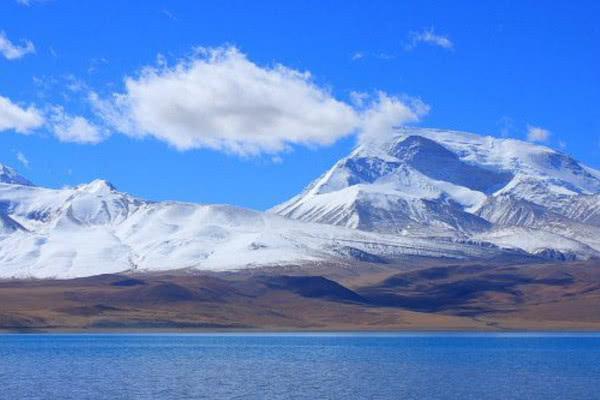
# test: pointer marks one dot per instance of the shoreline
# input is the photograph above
(305, 332)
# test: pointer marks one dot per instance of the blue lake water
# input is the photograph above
(302, 366)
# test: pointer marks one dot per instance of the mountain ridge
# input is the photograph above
(455, 183)
(421, 192)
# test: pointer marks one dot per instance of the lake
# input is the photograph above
(300, 366)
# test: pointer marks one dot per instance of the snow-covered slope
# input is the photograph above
(461, 185)
(93, 229)
(423, 192)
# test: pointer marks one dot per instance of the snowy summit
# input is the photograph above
(421, 192)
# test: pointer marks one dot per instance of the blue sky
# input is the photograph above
(516, 69)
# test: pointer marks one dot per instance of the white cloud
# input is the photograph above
(17, 118)
(358, 55)
(74, 84)
(169, 14)
(379, 56)
(27, 3)
(385, 56)
(506, 126)
(74, 129)
(13, 51)
(96, 63)
(221, 100)
(537, 134)
(384, 112)
(359, 98)
(429, 36)
(22, 159)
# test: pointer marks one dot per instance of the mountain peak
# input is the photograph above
(11, 176)
(432, 180)
(98, 186)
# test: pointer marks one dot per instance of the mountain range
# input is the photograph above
(418, 193)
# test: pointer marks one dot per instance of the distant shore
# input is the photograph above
(556, 297)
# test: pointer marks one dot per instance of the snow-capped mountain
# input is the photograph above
(423, 192)
(427, 181)
(93, 229)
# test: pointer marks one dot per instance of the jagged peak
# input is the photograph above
(11, 176)
(98, 186)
